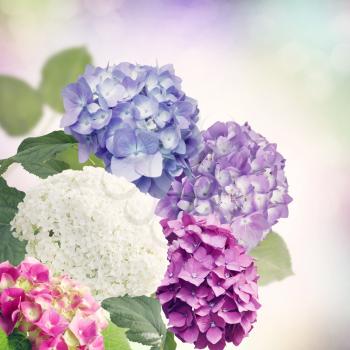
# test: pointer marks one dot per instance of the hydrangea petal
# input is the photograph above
(124, 167)
(124, 142)
(150, 165)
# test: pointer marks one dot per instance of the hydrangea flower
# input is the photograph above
(238, 176)
(97, 227)
(55, 312)
(209, 292)
(137, 119)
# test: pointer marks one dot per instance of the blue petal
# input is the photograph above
(93, 107)
(150, 165)
(147, 142)
(75, 97)
(160, 185)
(70, 117)
(124, 142)
(183, 122)
(83, 152)
(143, 183)
(162, 118)
(76, 94)
(124, 167)
(111, 91)
(170, 138)
(146, 106)
(84, 124)
(185, 108)
(132, 88)
(101, 118)
(116, 123)
(87, 145)
(125, 111)
(181, 147)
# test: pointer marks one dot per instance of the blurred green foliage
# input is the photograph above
(21, 105)
(60, 70)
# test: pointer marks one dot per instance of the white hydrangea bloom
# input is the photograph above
(96, 227)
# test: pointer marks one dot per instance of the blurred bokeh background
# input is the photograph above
(284, 66)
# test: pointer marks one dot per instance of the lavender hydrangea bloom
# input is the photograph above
(209, 293)
(137, 120)
(238, 176)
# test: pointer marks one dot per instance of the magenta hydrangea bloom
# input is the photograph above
(239, 177)
(54, 312)
(209, 293)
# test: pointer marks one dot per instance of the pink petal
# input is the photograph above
(190, 335)
(165, 297)
(203, 323)
(217, 241)
(31, 311)
(177, 319)
(6, 281)
(214, 334)
(231, 317)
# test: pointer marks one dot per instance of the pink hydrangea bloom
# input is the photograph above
(55, 312)
(209, 293)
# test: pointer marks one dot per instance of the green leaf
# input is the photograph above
(142, 317)
(9, 199)
(60, 70)
(273, 259)
(169, 342)
(3, 340)
(38, 154)
(10, 248)
(18, 341)
(70, 157)
(20, 106)
(49, 155)
(115, 338)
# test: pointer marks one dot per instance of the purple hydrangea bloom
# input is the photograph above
(209, 292)
(239, 177)
(137, 120)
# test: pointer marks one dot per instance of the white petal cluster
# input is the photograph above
(96, 227)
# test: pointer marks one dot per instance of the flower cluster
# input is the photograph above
(96, 227)
(137, 119)
(238, 176)
(209, 293)
(55, 312)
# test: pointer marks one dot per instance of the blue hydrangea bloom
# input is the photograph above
(137, 119)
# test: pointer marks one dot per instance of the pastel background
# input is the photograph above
(284, 66)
